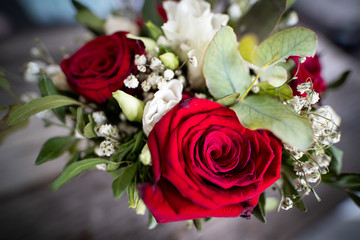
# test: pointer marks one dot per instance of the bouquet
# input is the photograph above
(195, 114)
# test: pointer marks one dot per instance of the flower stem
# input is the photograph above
(249, 88)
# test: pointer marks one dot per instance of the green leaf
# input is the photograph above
(262, 18)
(4, 83)
(296, 41)
(283, 92)
(354, 197)
(3, 109)
(89, 128)
(74, 169)
(198, 225)
(229, 100)
(290, 192)
(154, 31)
(39, 105)
(80, 121)
(47, 88)
(264, 112)
(133, 195)
(88, 18)
(152, 223)
(74, 158)
(259, 210)
(224, 70)
(344, 180)
(122, 182)
(340, 81)
(149, 12)
(5, 129)
(271, 204)
(336, 159)
(54, 147)
(275, 75)
(247, 45)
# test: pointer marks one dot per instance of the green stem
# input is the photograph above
(248, 90)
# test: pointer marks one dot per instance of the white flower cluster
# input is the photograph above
(110, 132)
(299, 103)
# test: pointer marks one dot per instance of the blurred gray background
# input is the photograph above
(85, 208)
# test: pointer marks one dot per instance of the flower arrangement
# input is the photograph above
(198, 116)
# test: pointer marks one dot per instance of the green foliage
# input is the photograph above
(152, 223)
(265, 112)
(259, 210)
(4, 83)
(340, 81)
(47, 88)
(130, 150)
(275, 75)
(89, 128)
(198, 225)
(296, 41)
(224, 70)
(122, 181)
(229, 100)
(86, 17)
(74, 169)
(149, 12)
(262, 18)
(54, 147)
(80, 120)
(283, 92)
(38, 105)
(336, 160)
(154, 31)
(5, 129)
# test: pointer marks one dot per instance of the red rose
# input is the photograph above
(309, 70)
(206, 164)
(101, 66)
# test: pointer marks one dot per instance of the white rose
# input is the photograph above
(115, 23)
(164, 100)
(190, 27)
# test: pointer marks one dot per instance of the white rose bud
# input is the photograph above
(132, 107)
(170, 60)
(145, 156)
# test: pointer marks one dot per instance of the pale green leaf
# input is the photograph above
(247, 45)
(336, 159)
(296, 41)
(39, 105)
(229, 100)
(89, 128)
(152, 223)
(54, 147)
(265, 112)
(224, 70)
(122, 182)
(74, 169)
(88, 18)
(275, 75)
(154, 31)
(283, 92)
(259, 210)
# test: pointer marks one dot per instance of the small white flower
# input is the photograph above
(131, 81)
(99, 117)
(156, 64)
(200, 95)
(146, 86)
(234, 11)
(141, 68)
(169, 74)
(304, 87)
(286, 203)
(310, 167)
(161, 83)
(162, 41)
(116, 23)
(292, 19)
(28, 96)
(140, 59)
(32, 72)
(153, 78)
(164, 100)
(300, 184)
(57, 77)
(35, 52)
(313, 177)
(313, 97)
(107, 148)
(323, 160)
(192, 58)
(107, 130)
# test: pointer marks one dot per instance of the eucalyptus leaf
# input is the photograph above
(247, 45)
(85, 16)
(122, 182)
(53, 148)
(74, 169)
(262, 18)
(38, 105)
(290, 192)
(229, 100)
(259, 210)
(275, 75)
(224, 70)
(47, 88)
(283, 92)
(265, 112)
(296, 41)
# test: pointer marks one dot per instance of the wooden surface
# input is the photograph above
(85, 208)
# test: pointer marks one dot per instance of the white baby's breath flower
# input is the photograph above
(131, 81)
(101, 167)
(164, 100)
(107, 130)
(32, 72)
(141, 68)
(140, 59)
(169, 74)
(156, 64)
(57, 77)
(300, 184)
(99, 117)
(192, 24)
(286, 203)
(146, 86)
(106, 148)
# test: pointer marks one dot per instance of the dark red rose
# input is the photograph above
(309, 70)
(101, 65)
(206, 164)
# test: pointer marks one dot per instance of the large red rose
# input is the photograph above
(101, 66)
(310, 70)
(206, 164)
